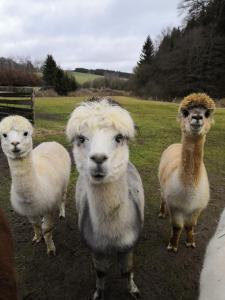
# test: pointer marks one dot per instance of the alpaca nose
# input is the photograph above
(99, 158)
(197, 117)
(15, 143)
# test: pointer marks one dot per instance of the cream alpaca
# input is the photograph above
(39, 176)
(212, 279)
(182, 174)
(109, 192)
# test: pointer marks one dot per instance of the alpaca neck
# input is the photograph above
(106, 200)
(23, 175)
(192, 158)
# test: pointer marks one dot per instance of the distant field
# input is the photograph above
(159, 274)
(84, 77)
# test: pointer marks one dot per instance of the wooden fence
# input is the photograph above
(17, 101)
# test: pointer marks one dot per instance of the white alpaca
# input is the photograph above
(39, 176)
(109, 192)
(182, 174)
(212, 279)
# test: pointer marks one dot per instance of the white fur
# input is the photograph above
(212, 279)
(97, 115)
(186, 199)
(115, 201)
(40, 176)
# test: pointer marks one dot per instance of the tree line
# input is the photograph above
(24, 73)
(187, 59)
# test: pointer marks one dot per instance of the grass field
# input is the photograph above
(84, 77)
(159, 275)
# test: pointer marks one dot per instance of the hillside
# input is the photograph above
(84, 77)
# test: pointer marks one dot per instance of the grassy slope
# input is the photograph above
(157, 129)
(83, 77)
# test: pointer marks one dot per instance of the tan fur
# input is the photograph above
(197, 99)
(192, 160)
(182, 174)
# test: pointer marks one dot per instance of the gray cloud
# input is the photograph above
(88, 33)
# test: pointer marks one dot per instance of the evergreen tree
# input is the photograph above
(55, 77)
(49, 70)
(64, 83)
(147, 52)
(190, 59)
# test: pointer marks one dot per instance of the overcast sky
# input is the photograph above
(105, 34)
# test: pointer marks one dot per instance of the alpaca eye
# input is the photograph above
(25, 133)
(185, 113)
(81, 139)
(119, 138)
(5, 135)
(207, 113)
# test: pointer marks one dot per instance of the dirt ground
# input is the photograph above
(159, 275)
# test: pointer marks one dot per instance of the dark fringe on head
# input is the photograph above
(99, 99)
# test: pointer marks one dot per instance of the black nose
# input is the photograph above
(99, 158)
(15, 143)
(197, 117)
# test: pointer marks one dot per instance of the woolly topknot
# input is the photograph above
(97, 113)
(197, 99)
(15, 122)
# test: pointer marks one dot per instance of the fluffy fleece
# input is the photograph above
(212, 279)
(39, 176)
(99, 113)
(109, 192)
(197, 99)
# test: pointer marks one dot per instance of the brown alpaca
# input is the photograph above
(182, 174)
(8, 289)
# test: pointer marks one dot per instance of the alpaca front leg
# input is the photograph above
(36, 223)
(175, 236)
(190, 241)
(62, 210)
(125, 261)
(47, 228)
(162, 210)
(102, 264)
(191, 222)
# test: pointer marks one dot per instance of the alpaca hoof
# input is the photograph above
(98, 294)
(190, 245)
(51, 251)
(62, 217)
(161, 215)
(36, 239)
(133, 290)
(135, 295)
(172, 248)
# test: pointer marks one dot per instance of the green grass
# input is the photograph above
(84, 77)
(157, 128)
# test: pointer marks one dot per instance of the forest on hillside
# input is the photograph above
(190, 58)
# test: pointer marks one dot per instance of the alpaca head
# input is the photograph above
(196, 114)
(16, 136)
(100, 129)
